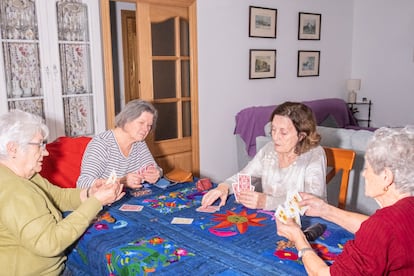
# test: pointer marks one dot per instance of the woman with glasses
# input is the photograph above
(33, 233)
(123, 150)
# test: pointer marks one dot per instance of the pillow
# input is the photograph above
(268, 128)
(329, 121)
(62, 166)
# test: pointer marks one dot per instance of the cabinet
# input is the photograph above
(51, 63)
(359, 107)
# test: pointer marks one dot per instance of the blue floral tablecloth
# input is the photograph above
(233, 241)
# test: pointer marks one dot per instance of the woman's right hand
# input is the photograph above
(107, 193)
(315, 205)
(222, 191)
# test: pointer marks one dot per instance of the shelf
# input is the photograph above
(355, 110)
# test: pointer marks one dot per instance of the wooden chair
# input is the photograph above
(340, 160)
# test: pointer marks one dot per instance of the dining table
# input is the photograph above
(161, 231)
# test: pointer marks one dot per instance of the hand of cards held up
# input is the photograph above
(290, 209)
(112, 178)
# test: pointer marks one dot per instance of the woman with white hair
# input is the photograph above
(384, 242)
(33, 233)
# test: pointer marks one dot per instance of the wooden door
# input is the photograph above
(166, 73)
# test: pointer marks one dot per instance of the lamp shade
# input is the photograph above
(353, 84)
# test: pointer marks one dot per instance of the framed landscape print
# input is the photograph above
(309, 26)
(308, 63)
(262, 64)
(262, 22)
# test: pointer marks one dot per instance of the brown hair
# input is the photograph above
(304, 121)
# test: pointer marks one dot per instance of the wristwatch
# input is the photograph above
(303, 250)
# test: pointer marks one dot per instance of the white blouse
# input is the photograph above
(306, 174)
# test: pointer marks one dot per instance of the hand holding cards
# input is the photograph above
(112, 178)
(244, 183)
(291, 209)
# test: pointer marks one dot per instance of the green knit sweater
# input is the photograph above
(33, 233)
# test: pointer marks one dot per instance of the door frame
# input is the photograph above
(108, 67)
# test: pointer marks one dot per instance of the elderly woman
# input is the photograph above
(123, 150)
(384, 242)
(293, 161)
(33, 233)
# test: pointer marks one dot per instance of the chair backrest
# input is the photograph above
(340, 160)
(62, 166)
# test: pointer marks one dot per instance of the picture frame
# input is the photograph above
(262, 22)
(262, 64)
(309, 26)
(308, 63)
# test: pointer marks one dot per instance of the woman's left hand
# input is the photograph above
(289, 230)
(151, 174)
(252, 200)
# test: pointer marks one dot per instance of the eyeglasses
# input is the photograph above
(41, 145)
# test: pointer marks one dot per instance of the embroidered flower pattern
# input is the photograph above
(241, 220)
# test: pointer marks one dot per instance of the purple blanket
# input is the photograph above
(250, 121)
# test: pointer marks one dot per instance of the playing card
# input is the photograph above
(178, 220)
(131, 208)
(245, 181)
(293, 199)
(112, 178)
(208, 209)
(281, 214)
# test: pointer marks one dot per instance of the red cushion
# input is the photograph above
(62, 166)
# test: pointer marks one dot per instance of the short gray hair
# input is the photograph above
(133, 110)
(394, 149)
(19, 127)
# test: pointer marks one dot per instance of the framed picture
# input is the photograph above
(262, 64)
(262, 22)
(308, 63)
(309, 26)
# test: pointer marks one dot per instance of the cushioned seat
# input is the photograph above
(62, 166)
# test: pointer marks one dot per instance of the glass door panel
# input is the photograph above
(185, 78)
(20, 42)
(75, 67)
(186, 119)
(164, 79)
(167, 121)
(184, 38)
(163, 38)
(78, 115)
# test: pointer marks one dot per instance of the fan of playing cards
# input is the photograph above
(112, 178)
(291, 209)
(244, 183)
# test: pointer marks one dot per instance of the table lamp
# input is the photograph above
(353, 85)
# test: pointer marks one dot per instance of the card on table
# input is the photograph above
(178, 220)
(208, 209)
(131, 208)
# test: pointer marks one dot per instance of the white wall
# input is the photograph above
(223, 58)
(383, 57)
